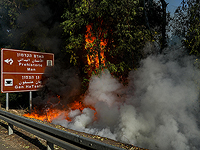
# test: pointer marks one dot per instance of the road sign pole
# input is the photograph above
(7, 101)
(30, 100)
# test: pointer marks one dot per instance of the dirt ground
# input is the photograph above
(21, 139)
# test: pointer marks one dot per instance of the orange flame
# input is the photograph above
(51, 113)
(93, 59)
(47, 115)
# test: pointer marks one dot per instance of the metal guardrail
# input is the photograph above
(52, 135)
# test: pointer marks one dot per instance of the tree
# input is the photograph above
(192, 41)
(187, 25)
(120, 23)
(164, 24)
(157, 20)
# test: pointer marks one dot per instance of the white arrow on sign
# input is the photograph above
(9, 61)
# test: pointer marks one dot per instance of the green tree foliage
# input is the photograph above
(192, 41)
(187, 24)
(121, 23)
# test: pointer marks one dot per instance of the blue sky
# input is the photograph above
(173, 4)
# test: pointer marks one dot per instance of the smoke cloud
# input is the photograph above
(37, 24)
(157, 110)
(59, 84)
(37, 27)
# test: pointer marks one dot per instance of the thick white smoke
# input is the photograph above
(157, 110)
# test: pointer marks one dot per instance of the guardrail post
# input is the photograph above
(50, 146)
(10, 129)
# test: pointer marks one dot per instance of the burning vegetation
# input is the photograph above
(50, 113)
(159, 105)
(52, 110)
(95, 44)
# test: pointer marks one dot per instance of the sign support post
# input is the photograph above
(7, 101)
(30, 100)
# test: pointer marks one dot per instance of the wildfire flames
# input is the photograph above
(95, 60)
(152, 109)
(51, 112)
